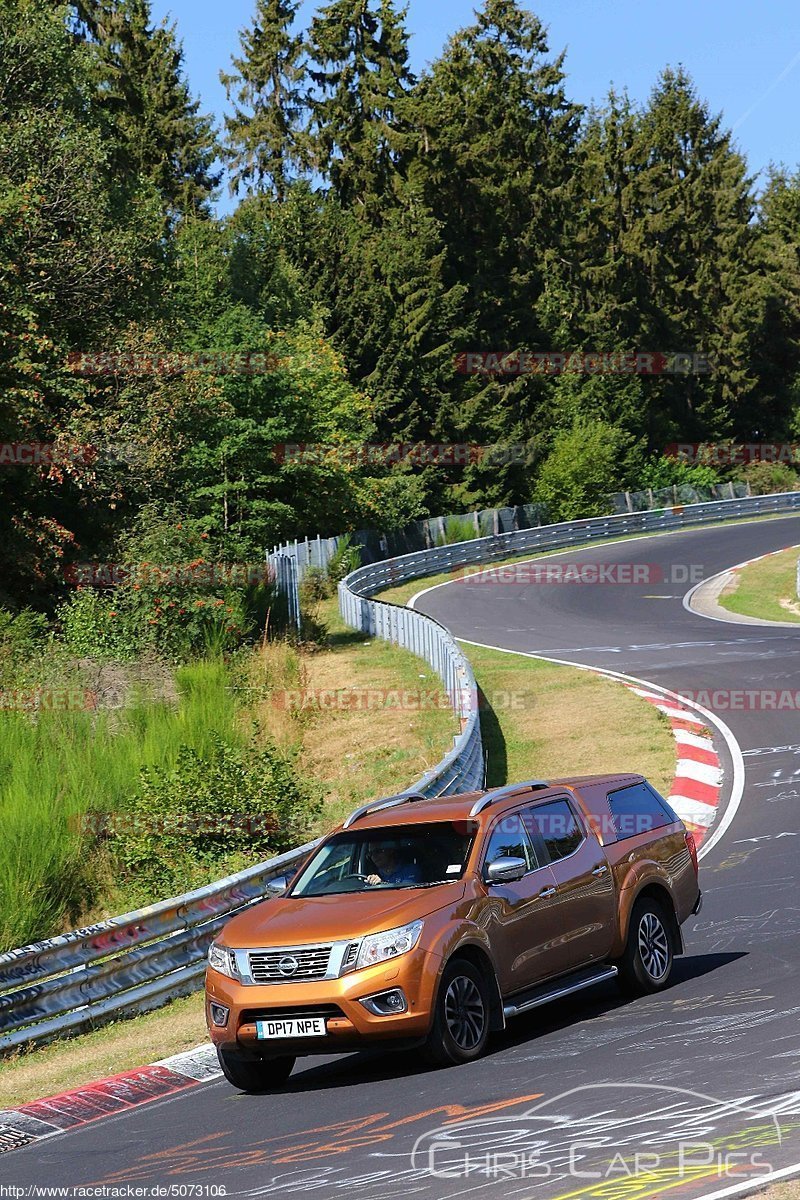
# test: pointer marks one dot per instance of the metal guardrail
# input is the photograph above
(369, 580)
(463, 768)
(126, 965)
(139, 961)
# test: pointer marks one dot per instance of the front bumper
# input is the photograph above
(350, 1026)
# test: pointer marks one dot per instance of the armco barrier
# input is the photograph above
(126, 965)
(366, 581)
(139, 961)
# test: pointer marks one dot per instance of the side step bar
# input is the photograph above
(568, 985)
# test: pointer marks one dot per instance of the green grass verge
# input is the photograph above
(65, 764)
(550, 721)
(766, 589)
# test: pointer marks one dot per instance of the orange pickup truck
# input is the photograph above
(432, 922)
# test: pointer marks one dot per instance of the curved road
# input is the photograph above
(692, 1092)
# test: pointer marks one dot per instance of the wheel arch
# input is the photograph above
(655, 890)
(478, 957)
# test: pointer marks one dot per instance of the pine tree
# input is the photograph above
(154, 124)
(698, 254)
(494, 165)
(497, 138)
(776, 315)
(265, 142)
(360, 71)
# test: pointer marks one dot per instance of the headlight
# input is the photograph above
(379, 947)
(223, 960)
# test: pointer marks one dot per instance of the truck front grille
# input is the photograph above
(301, 964)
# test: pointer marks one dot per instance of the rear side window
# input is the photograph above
(558, 828)
(638, 809)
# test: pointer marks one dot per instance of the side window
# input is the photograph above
(558, 828)
(509, 839)
(637, 809)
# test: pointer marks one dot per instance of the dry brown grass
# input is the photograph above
(377, 738)
(553, 721)
(781, 1191)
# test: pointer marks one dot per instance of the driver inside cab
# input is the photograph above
(391, 868)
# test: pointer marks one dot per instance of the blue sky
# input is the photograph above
(744, 56)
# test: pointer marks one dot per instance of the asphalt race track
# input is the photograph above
(689, 1093)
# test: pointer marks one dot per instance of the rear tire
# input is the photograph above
(461, 1020)
(646, 965)
(255, 1074)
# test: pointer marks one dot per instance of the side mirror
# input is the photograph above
(506, 870)
(278, 885)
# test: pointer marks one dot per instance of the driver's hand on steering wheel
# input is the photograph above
(374, 880)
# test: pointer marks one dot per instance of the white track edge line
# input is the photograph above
(751, 1184)
(687, 599)
(737, 789)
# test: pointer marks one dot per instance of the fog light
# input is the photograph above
(220, 1014)
(386, 1004)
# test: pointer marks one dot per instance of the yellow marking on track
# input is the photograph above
(646, 1184)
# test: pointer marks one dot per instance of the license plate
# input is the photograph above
(294, 1027)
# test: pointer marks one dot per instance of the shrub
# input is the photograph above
(456, 529)
(346, 558)
(586, 464)
(315, 586)
(766, 478)
(170, 595)
(209, 815)
(662, 472)
(22, 638)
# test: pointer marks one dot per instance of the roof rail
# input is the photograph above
(379, 805)
(510, 789)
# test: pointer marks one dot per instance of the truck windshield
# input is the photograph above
(407, 856)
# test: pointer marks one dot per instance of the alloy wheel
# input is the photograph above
(464, 1012)
(653, 946)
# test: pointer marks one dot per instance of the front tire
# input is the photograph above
(461, 1020)
(646, 965)
(255, 1074)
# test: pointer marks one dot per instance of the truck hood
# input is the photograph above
(284, 921)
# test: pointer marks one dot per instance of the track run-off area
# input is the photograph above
(694, 1092)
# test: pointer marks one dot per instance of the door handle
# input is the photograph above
(600, 870)
(545, 892)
